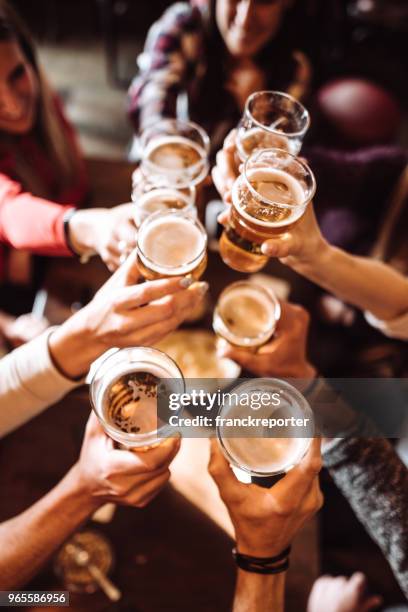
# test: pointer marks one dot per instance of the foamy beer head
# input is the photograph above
(175, 153)
(171, 243)
(272, 119)
(246, 314)
(267, 199)
(162, 199)
(124, 393)
(259, 450)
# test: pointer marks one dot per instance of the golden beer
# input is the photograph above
(124, 392)
(267, 200)
(246, 315)
(171, 243)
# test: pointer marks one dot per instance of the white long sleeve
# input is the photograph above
(29, 383)
(395, 328)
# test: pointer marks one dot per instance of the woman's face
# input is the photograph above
(18, 90)
(247, 25)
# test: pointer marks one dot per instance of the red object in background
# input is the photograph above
(360, 111)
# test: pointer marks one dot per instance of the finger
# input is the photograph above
(226, 166)
(153, 460)
(230, 140)
(142, 495)
(358, 583)
(140, 295)
(223, 217)
(279, 247)
(220, 183)
(372, 603)
(245, 358)
(222, 474)
(299, 480)
(161, 456)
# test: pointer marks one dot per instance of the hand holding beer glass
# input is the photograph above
(267, 520)
(282, 356)
(268, 198)
(246, 315)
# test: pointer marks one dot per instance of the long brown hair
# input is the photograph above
(48, 128)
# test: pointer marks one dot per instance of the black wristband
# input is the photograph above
(67, 218)
(262, 565)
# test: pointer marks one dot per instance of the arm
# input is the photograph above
(257, 593)
(374, 480)
(172, 49)
(266, 521)
(102, 474)
(30, 538)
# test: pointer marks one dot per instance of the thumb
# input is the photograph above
(241, 356)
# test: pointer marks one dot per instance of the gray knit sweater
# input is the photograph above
(374, 480)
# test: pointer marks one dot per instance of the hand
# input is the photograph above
(123, 314)
(109, 232)
(121, 476)
(267, 520)
(342, 595)
(226, 169)
(303, 243)
(19, 330)
(283, 356)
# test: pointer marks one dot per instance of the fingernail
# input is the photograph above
(266, 249)
(203, 287)
(186, 282)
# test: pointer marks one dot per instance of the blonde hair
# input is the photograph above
(48, 128)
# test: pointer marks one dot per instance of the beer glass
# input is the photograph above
(268, 198)
(171, 243)
(124, 393)
(246, 315)
(271, 120)
(257, 452)
(174, 153)
(149, 198)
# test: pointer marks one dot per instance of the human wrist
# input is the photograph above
(73, 348)
(313, 259)
(261, 548)
(82, 231)
(79, 493)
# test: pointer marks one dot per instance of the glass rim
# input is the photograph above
(294, 159)
(184, 124)
(306, 409)
(172, 212)
(189, 199)
(287, 96)
(122, 436)
(270, 297)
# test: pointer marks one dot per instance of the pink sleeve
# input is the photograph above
(30, 223)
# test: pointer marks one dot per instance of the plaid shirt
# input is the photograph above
(171, 62)
(174, 60)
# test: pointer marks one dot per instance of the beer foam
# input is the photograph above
(247, 312)
(266, 455)
(174, 153)
(276, 186)
(171, 242)
(159, 199)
